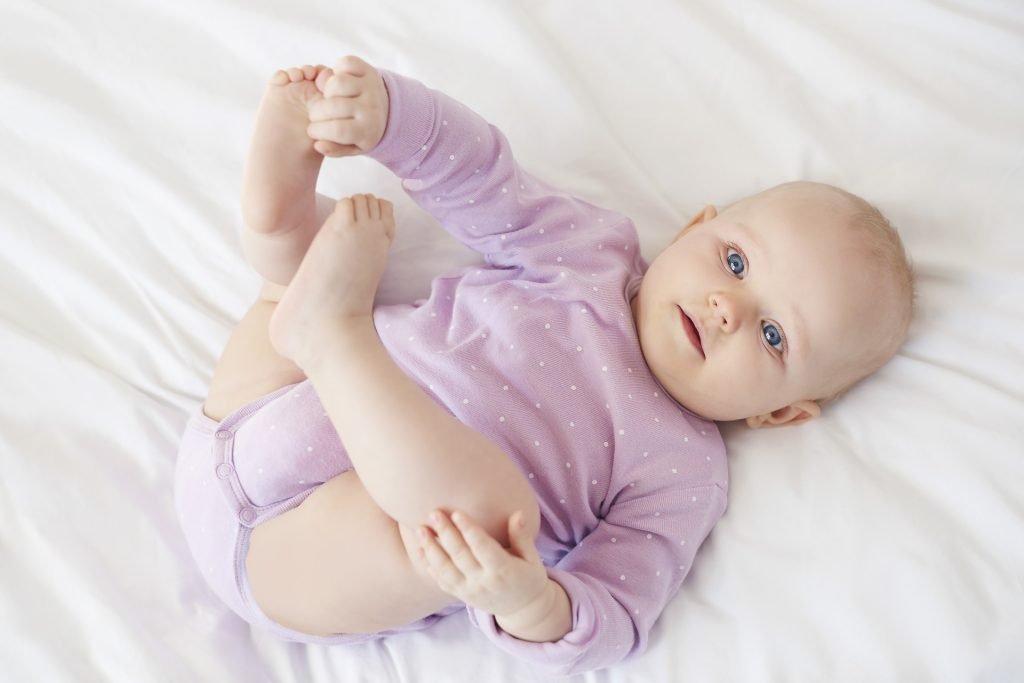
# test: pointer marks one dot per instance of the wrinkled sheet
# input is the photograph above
(884, 541)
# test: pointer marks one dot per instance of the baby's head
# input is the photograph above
(774, 305)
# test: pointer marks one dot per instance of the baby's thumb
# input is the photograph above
(520, 538)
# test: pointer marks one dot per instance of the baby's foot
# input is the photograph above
(279, 181)
(336, 282)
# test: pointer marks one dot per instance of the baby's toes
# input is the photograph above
(323, 75)
(280, 77)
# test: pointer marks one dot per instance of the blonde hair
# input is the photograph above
(888, 260)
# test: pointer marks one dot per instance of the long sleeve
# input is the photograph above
(620, 578)
(460, 168)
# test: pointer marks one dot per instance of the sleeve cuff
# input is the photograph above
(410, 120)
(558, 656)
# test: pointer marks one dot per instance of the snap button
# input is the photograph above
(223, 434)
(224, 470)
(247, 515)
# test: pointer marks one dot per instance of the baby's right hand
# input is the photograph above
(352, 116)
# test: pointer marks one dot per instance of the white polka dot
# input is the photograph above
(593, 481)
(621, 432)
(273, 426)
(573, 387)
(629, 395)
(559, 259)
(568, 465)
(622, 577)
(694, 499)
(541, 231)
(655, 394)
(686, 439)
(604, 368)
(648, 536)
(451, 157)
(645, 454)
(531, 475)
(541, 363)
(562, 501)
(636, 611)
(471, 201)
(579, 348)
(583, 310)
(504, 189)
(703, 433)
(614, 540)
(503, 237)
(309, 449)
(708, 458)
(572, 424)
(657, 573)
(465, 401)
(675, 471)
(302, 481)
(536, 443)
(682, 542)
(538, 405)
(657, 514)
(259, 471)
(505, 387)
(547, 326)
(629, 369)
(501, 419)
(606, 444)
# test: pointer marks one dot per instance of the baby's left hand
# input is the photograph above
(470, 565)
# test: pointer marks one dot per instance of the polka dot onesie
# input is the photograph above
(537, 350)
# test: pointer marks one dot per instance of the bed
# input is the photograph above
(883, 541)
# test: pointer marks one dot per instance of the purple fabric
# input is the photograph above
(537, 350)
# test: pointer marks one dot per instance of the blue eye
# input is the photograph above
(735, 261)
(772, 335)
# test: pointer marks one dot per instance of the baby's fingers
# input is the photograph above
(488, 552)
(333, 149)
(327, 108)
(343, 85)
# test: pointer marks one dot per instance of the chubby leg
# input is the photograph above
(412, 455)
(280, 207)
(338, 564)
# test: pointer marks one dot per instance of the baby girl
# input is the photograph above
(536, 442)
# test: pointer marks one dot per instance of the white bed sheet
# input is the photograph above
(884, 542)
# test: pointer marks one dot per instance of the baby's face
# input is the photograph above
(757, 312)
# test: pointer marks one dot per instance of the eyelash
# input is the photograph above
(730, 247)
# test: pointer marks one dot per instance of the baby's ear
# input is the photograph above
(705, 214)
(794, 414)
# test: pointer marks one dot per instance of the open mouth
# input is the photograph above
(691, 331)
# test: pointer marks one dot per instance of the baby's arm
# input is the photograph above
(453, 163)
(620, 577)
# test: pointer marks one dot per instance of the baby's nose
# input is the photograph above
(727, 309)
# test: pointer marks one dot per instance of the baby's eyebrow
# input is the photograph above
(797, 344)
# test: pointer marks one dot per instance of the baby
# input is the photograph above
(536, 441)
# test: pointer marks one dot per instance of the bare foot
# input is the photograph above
(332, 292)
(279, 181)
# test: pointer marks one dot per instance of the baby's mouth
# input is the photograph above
(692, 332)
